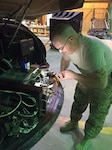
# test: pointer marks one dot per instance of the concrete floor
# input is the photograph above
(54, 140)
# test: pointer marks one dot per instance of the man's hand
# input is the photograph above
(97, 79)
(66, 74)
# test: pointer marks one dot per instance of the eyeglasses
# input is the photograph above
(61, 48)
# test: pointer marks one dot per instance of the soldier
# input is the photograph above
(93, 58)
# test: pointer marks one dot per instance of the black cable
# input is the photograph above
(25, 11)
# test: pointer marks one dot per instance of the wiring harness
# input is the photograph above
(18, 113)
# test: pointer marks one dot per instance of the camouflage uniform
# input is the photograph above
(99, 100)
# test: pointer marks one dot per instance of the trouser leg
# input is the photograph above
(79, 105)
(99, 108)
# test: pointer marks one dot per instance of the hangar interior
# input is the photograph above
(94, 18)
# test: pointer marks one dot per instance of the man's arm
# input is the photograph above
(64, 63)
(98, 79)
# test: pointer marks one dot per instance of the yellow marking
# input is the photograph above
(62, 120)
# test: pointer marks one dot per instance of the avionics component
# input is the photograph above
(16, 75)
(22, 48)
(21, 111)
